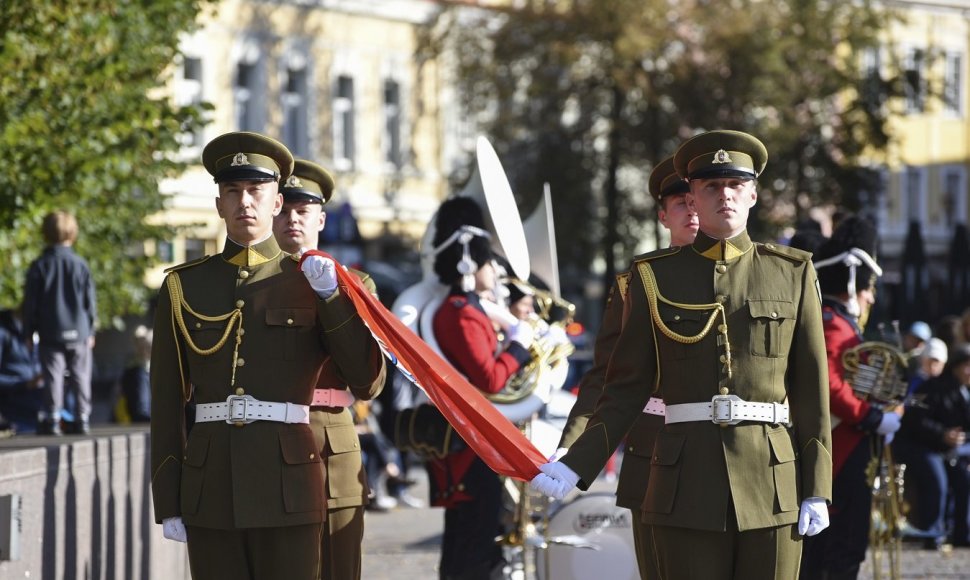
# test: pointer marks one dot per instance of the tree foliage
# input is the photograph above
(84, 128)
(589, 97)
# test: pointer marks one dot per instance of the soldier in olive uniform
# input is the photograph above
(297, 227)
(669, 191)
(729, 334)
(246, 334)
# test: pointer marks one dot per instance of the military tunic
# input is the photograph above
(761, 309)
(252, 325)
(346, 486)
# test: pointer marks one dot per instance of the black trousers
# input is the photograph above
(469, 550)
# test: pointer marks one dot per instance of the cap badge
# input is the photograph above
(239, 159)
(294, 181)
(722, 157)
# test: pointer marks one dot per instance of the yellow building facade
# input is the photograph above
(339, 83)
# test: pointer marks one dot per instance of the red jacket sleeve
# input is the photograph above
(467, 340)
(839, 337)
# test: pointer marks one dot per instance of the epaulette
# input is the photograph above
(365, 279)
(661, 253)
(784, 251)
(185, 265)
(623, 283)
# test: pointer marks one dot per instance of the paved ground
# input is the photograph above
(404, 543)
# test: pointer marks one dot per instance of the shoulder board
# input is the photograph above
(623, 282)
(365, 279)
(784, 251)
(195, 262)
(661, 253)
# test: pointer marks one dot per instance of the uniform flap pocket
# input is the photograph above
(667, 449)
(781, 445)
(343, 438)
(675, 317)
(299, 447)
(774, 309)
(196, 450)
(290, 316)
(194, 324)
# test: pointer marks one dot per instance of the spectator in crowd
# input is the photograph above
(135, 380)
(930, 363)
(60, 306)
(915, 339)
(521, 299)
(20, 376)
(930, 442)
(949, 330)
(965, 325)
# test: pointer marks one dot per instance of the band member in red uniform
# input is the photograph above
(846, 275)
(470, 492)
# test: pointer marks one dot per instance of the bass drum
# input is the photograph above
(589, 537)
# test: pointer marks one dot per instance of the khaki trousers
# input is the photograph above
(340, 544)
(291, 552)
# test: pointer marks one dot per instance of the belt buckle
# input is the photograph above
(722, 409)
(234, 402)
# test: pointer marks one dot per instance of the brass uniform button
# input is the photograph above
(239, 424)
(722, 268)
(240, 391)
(240, 362)
(722, 328)
(723, 358)
(240, 303)
(240, 332)
(198, 325)
(770, 246)
(774, 315)
(676, 316)
(724, 391)
(289, 321)
(312, 455)
(244, 274)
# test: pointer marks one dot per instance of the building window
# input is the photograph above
(915, 81)
(247, 92)
(194, 249)
(873, 92)
(343, 123)
(164, 252)
(915, 194)
(392, 123)
(295, 113)
(954, 196)
(953, 83)
(190, 93)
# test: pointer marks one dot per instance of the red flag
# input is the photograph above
(494, 438)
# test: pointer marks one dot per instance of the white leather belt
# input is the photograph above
(332, 398)
(728, 410)
(655, 406)
(244, 409)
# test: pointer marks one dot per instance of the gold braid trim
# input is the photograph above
(653, 295)
(233, 317)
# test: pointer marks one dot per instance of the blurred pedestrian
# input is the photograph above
(949, 329)
(60, 306)
(20, 376)
(135, 379)
(930, 364)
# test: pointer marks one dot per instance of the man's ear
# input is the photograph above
(323, 221)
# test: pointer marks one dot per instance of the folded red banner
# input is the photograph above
(494, 438)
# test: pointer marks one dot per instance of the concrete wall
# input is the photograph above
(86, 508)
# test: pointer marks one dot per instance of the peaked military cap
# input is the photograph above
(721, 153)
(309, 182)
(243, 155)
(664, 180)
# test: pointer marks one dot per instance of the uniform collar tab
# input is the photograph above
(253, 255)
(722, 250)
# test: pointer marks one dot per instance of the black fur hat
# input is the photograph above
(449, 262)
(834, 274)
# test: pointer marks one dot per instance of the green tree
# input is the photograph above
(587, 95)
(85, 128)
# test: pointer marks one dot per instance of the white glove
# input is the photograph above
(556, 335)
(558, 454)
(889, 423)
(174, 529)
(321, 273)
(813, 517)
(556, 480)
(522, 333)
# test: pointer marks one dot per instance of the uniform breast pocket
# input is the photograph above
(772, 327)
(687, 323)
(296, 329)
(205, 335)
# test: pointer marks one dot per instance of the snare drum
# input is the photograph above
(589, 537)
